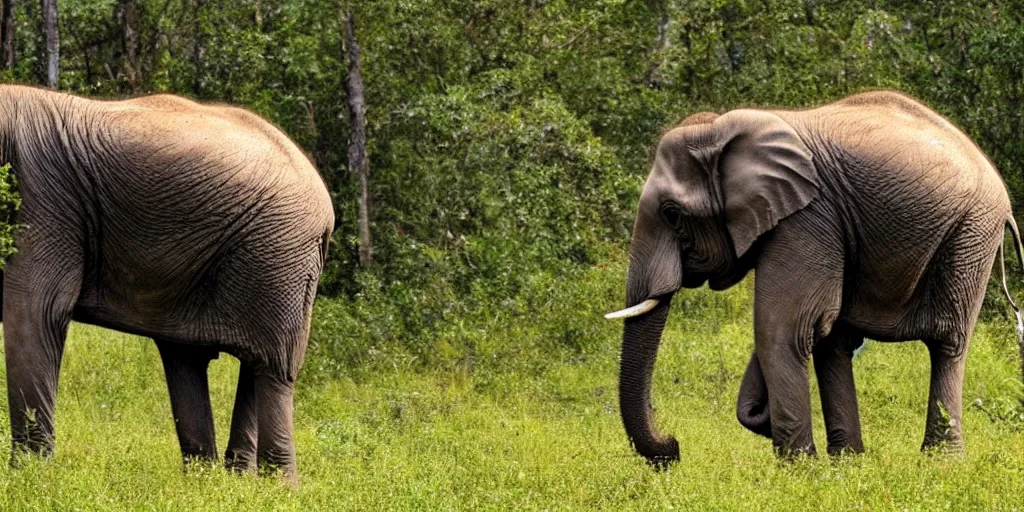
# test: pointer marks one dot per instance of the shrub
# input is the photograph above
(10, 201)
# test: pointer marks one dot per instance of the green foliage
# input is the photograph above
(10, 201)
(1002, 411)
(509, 140)
(551, 314)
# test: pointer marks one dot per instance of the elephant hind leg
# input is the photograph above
(261, 423)
(188, 386)
(944, 423)
(241, 451)
(833, 357)
(959, 273)
(752, 409)
(275, 446)
(276, 316)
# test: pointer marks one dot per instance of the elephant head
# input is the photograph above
(718, 183)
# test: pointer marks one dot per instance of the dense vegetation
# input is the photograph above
(508, 140)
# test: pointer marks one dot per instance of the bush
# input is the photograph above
(508, 140)
(10, 201)
(551, 316)
(487, 193)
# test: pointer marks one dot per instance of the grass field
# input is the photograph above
(400, 437)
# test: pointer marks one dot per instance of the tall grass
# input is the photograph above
(517, 409)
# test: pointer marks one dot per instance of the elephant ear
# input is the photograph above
(763, 170)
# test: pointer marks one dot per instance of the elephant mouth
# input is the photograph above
(715, 281)
(694, 280)
(735, 273)
(726, 281)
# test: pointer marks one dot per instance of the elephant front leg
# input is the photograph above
(833, 364)
(789, 400)
(33, 347)
(188, 385)
(798, 288)
(38, 301)
(798, 284)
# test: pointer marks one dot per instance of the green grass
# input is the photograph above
(504, 436)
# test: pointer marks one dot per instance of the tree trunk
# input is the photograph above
(7, 33)
(50, 32)
(810, 11)
(128, 17)
(651, 78)
(357, 161)
(663, 23)
(198, 46)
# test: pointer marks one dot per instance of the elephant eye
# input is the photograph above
(672, 213)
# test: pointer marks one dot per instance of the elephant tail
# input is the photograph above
(325, 243)
(1002, 270)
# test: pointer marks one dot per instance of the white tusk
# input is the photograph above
(637, 310)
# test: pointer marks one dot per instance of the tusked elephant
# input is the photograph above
(200, 226)
(872, 216)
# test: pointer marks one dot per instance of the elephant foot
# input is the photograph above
(32, 441)
(841, 442)
(291, 480)
(198, 453)
(943, 432)
(940, 446)
(21, 453)
(284, 472)
(791, 453)
(240, 461)
(663, 462)
(845, 450)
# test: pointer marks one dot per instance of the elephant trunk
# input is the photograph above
(752, 403)
(640, 339)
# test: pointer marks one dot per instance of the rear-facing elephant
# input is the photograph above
(201, 226)
(872, 216)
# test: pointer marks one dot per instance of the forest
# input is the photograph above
(458, 359)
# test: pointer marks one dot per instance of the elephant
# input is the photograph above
(869, 217)
(200, 226)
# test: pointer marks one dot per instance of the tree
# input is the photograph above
(7, 33)
(52, 36)
(357, 160)
(128, 18)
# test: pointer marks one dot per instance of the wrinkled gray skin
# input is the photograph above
(872, 216)
(200, 226)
